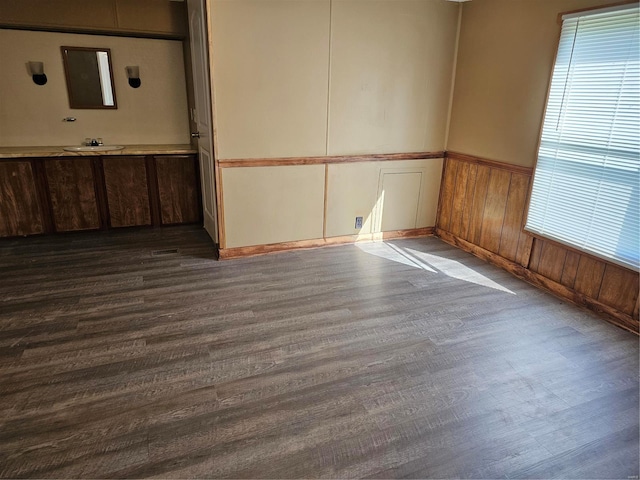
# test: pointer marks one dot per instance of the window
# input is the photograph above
(586, 183)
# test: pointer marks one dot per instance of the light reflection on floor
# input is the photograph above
(430, 263)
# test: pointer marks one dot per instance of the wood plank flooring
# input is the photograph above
(130, 354)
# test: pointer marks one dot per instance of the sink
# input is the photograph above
(96, 148)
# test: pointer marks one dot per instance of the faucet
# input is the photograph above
(93, 142)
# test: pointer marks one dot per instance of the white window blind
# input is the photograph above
(586, 183)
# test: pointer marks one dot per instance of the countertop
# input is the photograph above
(30, 152)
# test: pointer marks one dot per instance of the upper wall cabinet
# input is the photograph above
(154, 18)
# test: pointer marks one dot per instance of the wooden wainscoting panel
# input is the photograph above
(459, 197)
(551, 264)
(612, 314)
(534, 259)
(127, 192)
(525, 244)
(570, 269)
(20, 212)
(479, 198)
(514, 211)
(178, 189)
(467, 209)
(508, 167)
(619, 288)
(483, 207)
(589, 276)
(73, 194)
(494, 209)
(446, 194)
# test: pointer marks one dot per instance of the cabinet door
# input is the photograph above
(178, 189)
(127, 191)
(73, 194)
(20, 212)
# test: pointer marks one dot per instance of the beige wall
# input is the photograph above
(316, 77)
(270, 77)
(377, 191)
(155, 113)
(391, 64)
(265, 205)
(298, 78)
(505, 58)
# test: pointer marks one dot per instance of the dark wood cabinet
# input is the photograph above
(178, 189)
(126, 183)
(72, 192)
(20, 210)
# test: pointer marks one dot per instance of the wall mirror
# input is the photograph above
(89, 77)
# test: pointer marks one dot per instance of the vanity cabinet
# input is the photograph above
(20, 206)
(72, 194)
(178, 189)
(93, 192)
(127, 187)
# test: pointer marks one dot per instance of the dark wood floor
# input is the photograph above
(135, 354)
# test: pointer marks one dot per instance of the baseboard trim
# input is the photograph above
(610, 314)
(251, 251)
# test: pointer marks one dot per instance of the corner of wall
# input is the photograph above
(453, 77)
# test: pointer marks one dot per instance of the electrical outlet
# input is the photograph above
(358, 222)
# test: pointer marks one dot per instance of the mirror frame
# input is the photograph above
(72, 102)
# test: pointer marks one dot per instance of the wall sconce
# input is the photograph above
(36, 69)
(133, 74)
